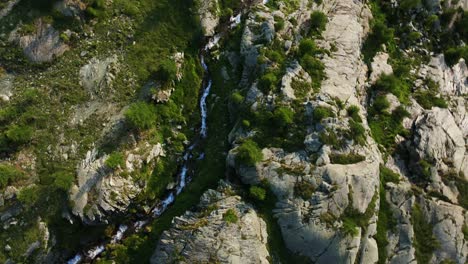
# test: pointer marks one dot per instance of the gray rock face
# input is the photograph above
(98, 75)
(452, 81)
(41, 46)
(438, 137)
(208, 11)
(380, 66)
(205, 237)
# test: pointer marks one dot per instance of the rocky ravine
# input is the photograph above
(315, 227)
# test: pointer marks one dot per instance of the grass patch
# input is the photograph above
(350, 158)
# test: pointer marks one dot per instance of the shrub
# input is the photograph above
(318, 22)
(257, 193)
(237, 98)
(230, 216)
(167, 71)
(304, 189)
(283, 116)
(380, 104)
(357, 132)
(315, 68)
(63, 180)
(353, 112)
(279, 23)
(321, 112)
(19, 134)
(392, 84)
(9, 174)
(267, 82)
(29, 195)
(350, 158)
(249, 153)
(428, 100)
(453, 55)
(307, 47)
(141, 115)
(115, 160)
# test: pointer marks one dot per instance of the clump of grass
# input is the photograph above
(350, 158)
(230, 216)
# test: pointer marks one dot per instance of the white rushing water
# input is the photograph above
(182, 182)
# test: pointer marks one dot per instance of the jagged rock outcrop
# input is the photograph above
(101, 191)
(43, 45)
(338, 188)
(207, 235)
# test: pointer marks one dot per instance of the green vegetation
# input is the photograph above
(141, 115)
(312, 65)
(230, 216)
(115, 160)
(386, 222)
(257, 193)
(393, 84)
(321, 112)
(248, 153)
(267, 82)
(385, 126)
(350, 158)
(387, 175)
(331, 138)
(304, 189)
(318, 22)
(63, 180)
(424, 241)
(353, 112)
(167, 71)
(352, 219)
(9, 174)
(428, 98)
(283, 116)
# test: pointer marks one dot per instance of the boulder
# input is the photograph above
(205, 235)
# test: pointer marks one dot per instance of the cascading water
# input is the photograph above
(182, 177)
